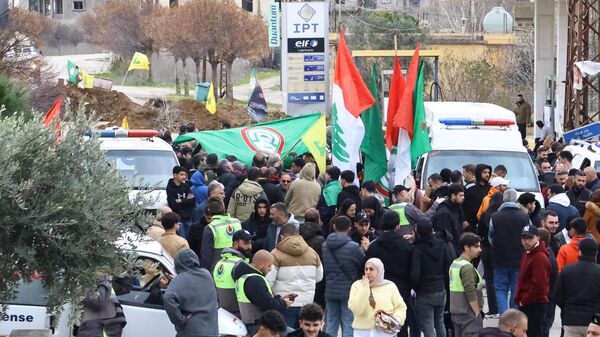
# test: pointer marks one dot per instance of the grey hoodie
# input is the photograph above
(193, 293)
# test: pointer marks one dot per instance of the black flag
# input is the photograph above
(257, 106)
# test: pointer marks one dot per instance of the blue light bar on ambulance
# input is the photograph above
(477, 122)
(121, 133)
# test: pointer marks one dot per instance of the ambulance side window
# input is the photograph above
(31, 293)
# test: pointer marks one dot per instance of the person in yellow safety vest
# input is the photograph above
(466, 297)
(223, 273)
(254, 293)
(409, 213)
(102, 313)
(218, 234)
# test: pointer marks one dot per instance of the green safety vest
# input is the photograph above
(222, 273)
(223, 227)
(455, 282)
(239, 287)
(399, 208)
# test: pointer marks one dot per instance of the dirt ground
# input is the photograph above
(112, 106)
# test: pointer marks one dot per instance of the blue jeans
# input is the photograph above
(505, 280)
(430, 310)
(338, 313)
(291, 317)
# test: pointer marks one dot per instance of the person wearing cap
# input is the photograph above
(559, 202)
(504, 234)
(578, 194)
(241, 250)
(532, 285)
(429, 267)
(531, 207)
(577, 292)
(362, 233)
(218, 234)
(498, 184)
(569, 253)
(409, 213)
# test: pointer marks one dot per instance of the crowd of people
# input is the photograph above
(293, 250)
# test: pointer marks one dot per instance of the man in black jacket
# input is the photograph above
(228, 179)
(181, 199)
(271, 190)
(474, 195)
(577, 292)
(396, 254)
(428, 274)
(449, 215)
(578, 194)
(349, 190)
(512, 323)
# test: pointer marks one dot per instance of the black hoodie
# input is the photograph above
(474, 196)
(257, 226)
(350, 192)
(186, 207)
(429, 267)
(256, 289)
(396, 254)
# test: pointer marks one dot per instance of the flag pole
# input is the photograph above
(124, 77)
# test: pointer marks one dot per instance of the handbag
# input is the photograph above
(384, 322)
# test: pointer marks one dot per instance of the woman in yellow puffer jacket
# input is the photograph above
(372, 294)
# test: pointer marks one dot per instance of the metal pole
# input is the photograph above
(435, 78)
(124, 77)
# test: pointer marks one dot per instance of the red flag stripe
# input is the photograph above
(54, 111)
(404, 119)
(397, 86)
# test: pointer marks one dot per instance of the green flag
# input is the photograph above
(420, 143)
(72, 71)
(373, 145)
(275, 137)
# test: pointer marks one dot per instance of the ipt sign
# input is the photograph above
(306, 19)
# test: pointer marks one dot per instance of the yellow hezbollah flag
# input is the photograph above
(139, 61)
(125, 124)
(315, 141)
(87, 79)
(211, 102)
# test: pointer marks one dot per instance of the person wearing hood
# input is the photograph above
(474, 195)
(223, 273)
(280, 216)
(258, 223)
(242, 201)
(200, 190)
(272, 191)
(532, 294)
(578, 194)
(296, 270)
(181, 199)
(328, 201)
(371, 294)
(504, 234)
(512, 323)
(102, 313)
(312, 232)
(342, 263)
(218, 234)
(592, 214)
(428, 274)
(191, 298)
(396, 254)
(498, 184)
(449, 216)
(349, 190)
(371, 206)
(254, 292)
(304, 193)
(559, 202)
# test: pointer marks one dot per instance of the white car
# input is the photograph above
(28, 309)
(584, 154)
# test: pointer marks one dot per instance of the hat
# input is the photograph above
(243, 235)
(529, 230)
(497, 181)
(400, 188)
(556, 189)
(588, 247)
(362, 216)
(510, 195)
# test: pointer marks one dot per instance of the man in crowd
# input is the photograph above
(271, 324)
(217, 234)
(532, 286)
(253, 291)
(469, 175)
(408, 212)
(592, 182)
(362, 233)
(566, 159)
(304, 193)
(311, 322)
(227, 178)
(577, 292)
(328, 201)
(279, 216)
(523, 115)
(578, 194)
(504, 235)
(449, 215)
(170, 241)
(181, 199)
(561, 175)
(550, 222)
(284, 184)
(498, 184)
(474, 195)
(466, 297)
(593, 329)
(569, 253)
(342, 263)
(296, 270)
(241, 250)
(349, 190)
(512, 323)
(559, 202)
(242, 201)
(272, 191)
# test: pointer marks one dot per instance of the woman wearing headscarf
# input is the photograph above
(372, 207)
(373, 294)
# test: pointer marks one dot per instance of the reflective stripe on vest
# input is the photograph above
(239, 287)
(223, 269)
(455, 282)
(399, 208)
(223, 227)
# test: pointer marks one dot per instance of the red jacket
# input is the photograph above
(532, 285)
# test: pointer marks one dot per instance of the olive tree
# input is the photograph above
(63, 208)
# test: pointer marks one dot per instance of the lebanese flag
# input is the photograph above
(404, 120)
(351, 97)
(397, 86)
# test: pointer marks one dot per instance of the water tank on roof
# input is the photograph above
(498, 21)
